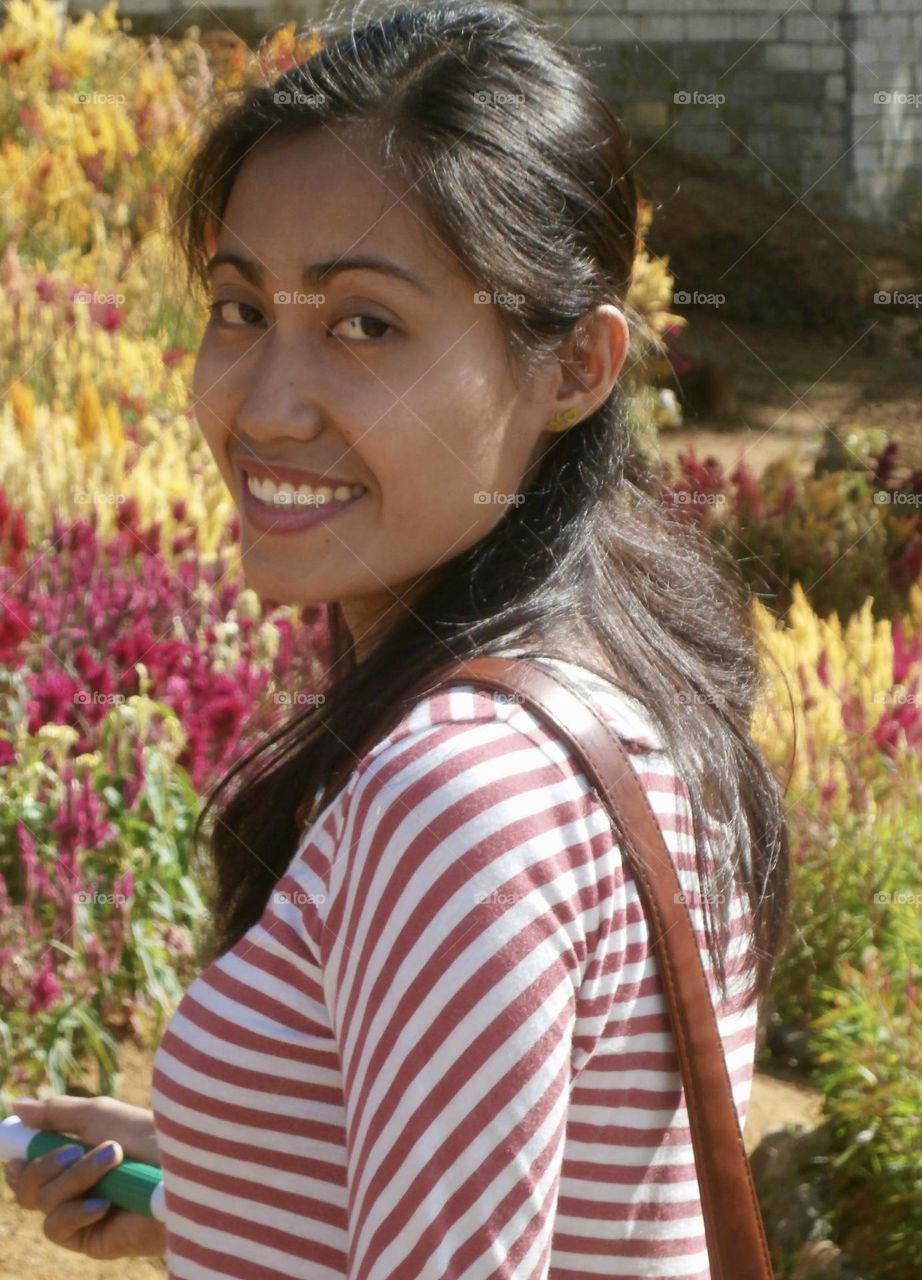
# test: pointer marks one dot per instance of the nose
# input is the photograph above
(279, 399)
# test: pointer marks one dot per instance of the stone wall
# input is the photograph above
(823, 96)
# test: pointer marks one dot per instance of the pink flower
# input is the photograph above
(58, 79)
(15, 626)
(45, 992)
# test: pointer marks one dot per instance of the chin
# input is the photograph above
(282, 588)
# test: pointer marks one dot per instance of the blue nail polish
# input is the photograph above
(90, 1206)
(68, 1156)
(104, 1154)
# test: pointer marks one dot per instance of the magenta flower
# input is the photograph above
(15, 625)
(45, 991)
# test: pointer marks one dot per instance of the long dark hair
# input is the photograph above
(537, 199)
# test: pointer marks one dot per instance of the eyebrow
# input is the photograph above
(317, 272)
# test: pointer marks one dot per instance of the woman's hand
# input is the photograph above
(107, 1232)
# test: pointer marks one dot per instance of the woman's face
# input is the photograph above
(365, 378)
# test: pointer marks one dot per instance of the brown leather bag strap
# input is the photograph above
(737, 1249)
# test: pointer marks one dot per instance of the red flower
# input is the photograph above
(15, 625)
(46, 991)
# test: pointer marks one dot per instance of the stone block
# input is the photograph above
(803, 26)
(592, 28)
(866, 158)
(709, 26)
(791, 115)
(793, 57)
(828, 57)
(656, 28)
(752, 27)
(891, 30)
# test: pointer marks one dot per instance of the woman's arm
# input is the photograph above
(453, 950)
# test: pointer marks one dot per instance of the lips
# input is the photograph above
(280, 472)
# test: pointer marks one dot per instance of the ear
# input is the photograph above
(210, 236)
(591, 360)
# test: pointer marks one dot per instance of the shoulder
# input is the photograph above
(474, 746)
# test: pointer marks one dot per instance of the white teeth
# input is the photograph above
(287, 494)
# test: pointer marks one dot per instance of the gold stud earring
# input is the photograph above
(562, 419)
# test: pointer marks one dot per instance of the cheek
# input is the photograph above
(211, 390)
(212, 411)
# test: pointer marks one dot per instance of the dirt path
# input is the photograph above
(27, 1255)
(792, 388)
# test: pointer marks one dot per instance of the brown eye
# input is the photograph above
(215, 312)
(372, 320)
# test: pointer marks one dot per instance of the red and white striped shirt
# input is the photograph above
(443, 1052)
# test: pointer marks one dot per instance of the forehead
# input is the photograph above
(323, 192)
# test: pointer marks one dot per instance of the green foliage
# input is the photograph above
(849, 975)
(869, 1066)
(100, 905)
(855, 863)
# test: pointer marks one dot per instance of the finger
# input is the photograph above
(34, 1174)
(106, 1235)
(62, 1112)
(14, 1169)
(51, 1185)
(69, 1224)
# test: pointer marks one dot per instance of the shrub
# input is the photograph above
(845, 535)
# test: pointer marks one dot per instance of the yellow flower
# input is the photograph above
(22, 402)
(89, 415)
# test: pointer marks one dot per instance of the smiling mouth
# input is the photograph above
(286, 495)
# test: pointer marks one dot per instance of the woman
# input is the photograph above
(431, 1040)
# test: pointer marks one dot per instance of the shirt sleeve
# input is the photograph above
(460, 901)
